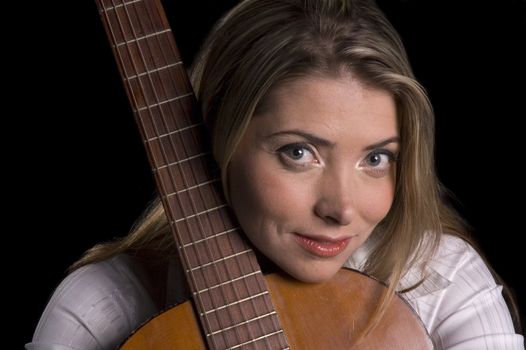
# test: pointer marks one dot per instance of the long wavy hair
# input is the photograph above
(261, 44)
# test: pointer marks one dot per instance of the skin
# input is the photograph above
(315, 173)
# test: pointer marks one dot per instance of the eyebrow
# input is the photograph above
(394, 139)
(310, 137)
(323, 142)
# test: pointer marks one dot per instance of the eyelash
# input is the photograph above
(296, 163)
(287, 159)
(375, 170)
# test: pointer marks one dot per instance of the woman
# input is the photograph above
(325, 144)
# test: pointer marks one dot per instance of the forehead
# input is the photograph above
(330, 104)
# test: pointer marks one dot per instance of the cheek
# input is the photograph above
(260, 194)
(249, 196)
(376, 201)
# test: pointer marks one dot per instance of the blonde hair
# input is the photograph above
(259, 45)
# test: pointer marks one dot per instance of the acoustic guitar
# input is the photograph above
(233, 306)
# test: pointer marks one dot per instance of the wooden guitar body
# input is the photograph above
(315, 316)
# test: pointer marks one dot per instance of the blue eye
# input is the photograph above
(297, 154)
(378, 162)
(375, 159)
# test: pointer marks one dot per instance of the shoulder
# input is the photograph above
(455, 258)
(455, 265)
(451, 260)
(459, 300)
(96, 306)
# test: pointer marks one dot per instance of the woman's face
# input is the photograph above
(315, 173)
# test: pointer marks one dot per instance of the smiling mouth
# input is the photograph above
(322, 247)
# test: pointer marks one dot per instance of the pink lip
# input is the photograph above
(322, 246)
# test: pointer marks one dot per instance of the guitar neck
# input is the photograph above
(228, 289)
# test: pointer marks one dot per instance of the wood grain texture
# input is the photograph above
(315, 316)
(175, 329)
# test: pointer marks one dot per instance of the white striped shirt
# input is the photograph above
(458, 302)
(99, 305)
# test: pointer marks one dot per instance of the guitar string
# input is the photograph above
(180, 166)
(216, 238)
(269, 305)
(261, 286)
(148, 107)
(223, 227)
(199, 190)
(230, 277)
(193, 135)
(253, 269)
(237, 260)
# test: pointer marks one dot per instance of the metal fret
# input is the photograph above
(242, 323)
(209, 237)
(257, 339)
(155, 70)
(200, 213)
(227, 282)
(181, 161)
(164, 102)
(168, 195)
(234, 303)
(174, 132)
(218, 260)
(142, 38)
(111, 8)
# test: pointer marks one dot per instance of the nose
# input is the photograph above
(335, 201)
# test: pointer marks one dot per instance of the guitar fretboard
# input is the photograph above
(229, 291)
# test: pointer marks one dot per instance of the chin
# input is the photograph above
(313, 276)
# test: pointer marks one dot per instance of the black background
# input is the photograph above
(80, 175)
